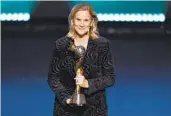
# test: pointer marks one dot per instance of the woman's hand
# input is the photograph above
(68, 101)
(81, 81)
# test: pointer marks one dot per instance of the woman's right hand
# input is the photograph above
(68, 101)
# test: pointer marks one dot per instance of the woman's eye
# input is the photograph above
(78, 19)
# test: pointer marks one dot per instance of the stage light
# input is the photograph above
(132, 17)
(14, 16)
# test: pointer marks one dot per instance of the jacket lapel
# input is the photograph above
(90, 57)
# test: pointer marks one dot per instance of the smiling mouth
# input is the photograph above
(81, 29)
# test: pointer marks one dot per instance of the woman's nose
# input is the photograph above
(82, 23)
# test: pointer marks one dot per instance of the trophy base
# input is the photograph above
(78, 100)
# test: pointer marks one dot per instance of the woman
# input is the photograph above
(97, 65)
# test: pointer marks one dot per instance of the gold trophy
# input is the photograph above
(78, 98)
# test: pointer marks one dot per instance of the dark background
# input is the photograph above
(142, 53)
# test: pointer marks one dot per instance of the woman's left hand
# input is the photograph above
(81, 81)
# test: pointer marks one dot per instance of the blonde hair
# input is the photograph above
(93, 33)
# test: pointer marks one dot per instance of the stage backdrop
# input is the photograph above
(44, 9)
(143, 76)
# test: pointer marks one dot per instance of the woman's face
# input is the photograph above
(82, 22)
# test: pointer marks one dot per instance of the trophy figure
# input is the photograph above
(78, 98)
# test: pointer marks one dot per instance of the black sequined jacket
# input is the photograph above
(98, 69)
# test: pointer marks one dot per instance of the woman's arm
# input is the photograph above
(54, 76)
(106, 77)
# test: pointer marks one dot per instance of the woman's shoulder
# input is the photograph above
(103, 41)
(61, 40)
(61, 43)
